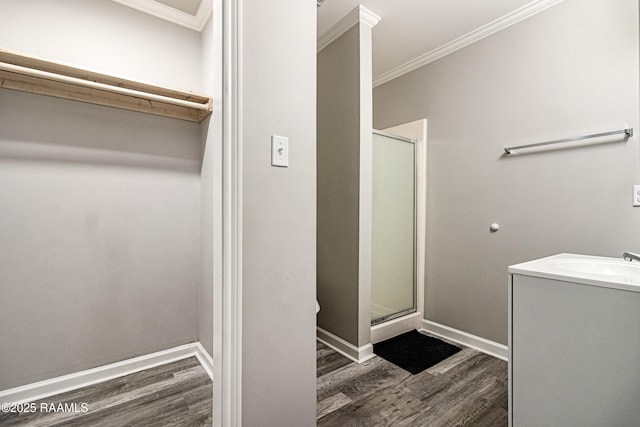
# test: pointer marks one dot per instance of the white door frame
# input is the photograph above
(227, 405)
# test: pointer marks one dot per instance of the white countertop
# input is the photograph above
(606, 272)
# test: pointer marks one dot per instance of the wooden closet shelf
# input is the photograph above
(34, 75)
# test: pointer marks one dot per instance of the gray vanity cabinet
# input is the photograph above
(574, 353)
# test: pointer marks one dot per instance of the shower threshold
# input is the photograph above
(392, 316)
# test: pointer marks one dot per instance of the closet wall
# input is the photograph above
(99, 208)
(211, 183)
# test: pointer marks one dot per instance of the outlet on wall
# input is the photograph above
(636, 195)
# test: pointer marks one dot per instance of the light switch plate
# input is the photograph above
(279, 151)
(636, 195)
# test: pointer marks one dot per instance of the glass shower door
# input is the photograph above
(393, 239)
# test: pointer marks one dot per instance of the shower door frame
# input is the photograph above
(414, 309)
(417, 130)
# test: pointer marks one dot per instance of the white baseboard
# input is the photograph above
(357, 354)
(205, 359)
(50, 387)
(491, 348)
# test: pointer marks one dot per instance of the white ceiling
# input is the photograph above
(410, 29)
(192, 14)
(410, 34)
(187, 6)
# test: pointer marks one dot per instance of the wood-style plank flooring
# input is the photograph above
(467, 389)
(175, 394)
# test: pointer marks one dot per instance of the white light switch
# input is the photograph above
(279, 151)
(636, 195)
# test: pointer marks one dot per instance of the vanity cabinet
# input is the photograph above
(574, 346)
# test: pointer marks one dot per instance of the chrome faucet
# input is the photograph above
(630, 256)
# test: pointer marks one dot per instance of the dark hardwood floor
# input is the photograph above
(175, 394)
(467, 389)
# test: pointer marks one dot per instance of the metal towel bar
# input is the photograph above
(627, 134)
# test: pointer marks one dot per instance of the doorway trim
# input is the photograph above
(227, 402)
(416, 131)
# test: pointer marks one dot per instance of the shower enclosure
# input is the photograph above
(393, 288)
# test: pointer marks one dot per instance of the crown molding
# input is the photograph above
(359, 15)
(203, 14)
(193, 22)
(367, 17)
(499, 24)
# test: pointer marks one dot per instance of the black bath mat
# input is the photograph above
(414, 352)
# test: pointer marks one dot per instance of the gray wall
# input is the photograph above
(210, 183)
(99, 208)
(344, 186)
(279, 214)
(570, 70)
(338, 185)
(106, 36)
